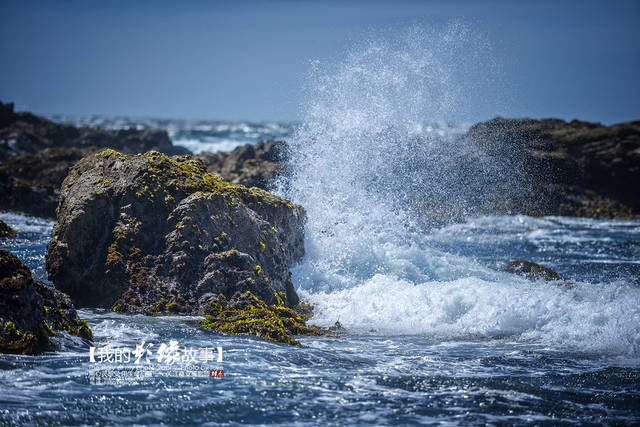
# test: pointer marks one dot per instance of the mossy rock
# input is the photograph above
(32, 312)
(163, 235)
(6, 231)
(246, 314)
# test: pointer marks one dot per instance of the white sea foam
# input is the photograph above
(367, 265)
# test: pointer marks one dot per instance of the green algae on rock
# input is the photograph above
(246, 314)
(162, 235)
(32, 313)
(6, 231)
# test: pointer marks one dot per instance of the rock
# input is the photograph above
(30, 183)
(565, 168)
(246, 314)
(33, 314)
(249, 165)
(532, 271)
(152, 234)
(22, 133)
(36, 154)
(6, 231)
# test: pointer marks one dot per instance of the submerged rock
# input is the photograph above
(33, 313)
(246, 314)
(6, 231)
(152, 234)
(532, 270)
(256, 165)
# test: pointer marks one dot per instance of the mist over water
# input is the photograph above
(358, 163)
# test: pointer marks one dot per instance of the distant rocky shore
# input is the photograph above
(554, 167)
(144, 226)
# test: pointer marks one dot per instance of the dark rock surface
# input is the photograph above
(565, 168)
(36, 154)
(151, 234)
(33, 313)
(30, 183)
(250, 165)
(532, 271)
(23, 132)
(6, 231)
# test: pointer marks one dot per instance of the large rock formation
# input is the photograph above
(149, 233)
(565, 168)
(34, 316)
(22, 133)
(30, 183)
(36, 154)
(255, 165)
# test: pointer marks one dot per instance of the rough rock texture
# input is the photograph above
(249, 165)
(36, 154)
(6, 231)
(247, 314)
(149, 233)
(32, 312)
(531, 270)
(22, 133)
(572, 168)
(30, 183)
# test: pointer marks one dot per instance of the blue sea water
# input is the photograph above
(436, 333)
(463, 351)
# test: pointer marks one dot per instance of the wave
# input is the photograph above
(371, 261)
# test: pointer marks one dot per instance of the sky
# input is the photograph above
(249, 60)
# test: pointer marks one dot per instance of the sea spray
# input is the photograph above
(362, 162)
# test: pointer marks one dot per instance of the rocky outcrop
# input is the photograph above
(246, 314)
(34, 316)
(30, 183)
(6, 231)
(151, 234)
(22, 133)
(255, 165)
(563, 168)
(532, 270)
(36, 154)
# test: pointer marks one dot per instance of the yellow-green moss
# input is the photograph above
(14, 340)
(253, 316)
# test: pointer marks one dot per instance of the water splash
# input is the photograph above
(361, 162)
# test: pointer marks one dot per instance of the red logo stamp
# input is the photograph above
(216, 373)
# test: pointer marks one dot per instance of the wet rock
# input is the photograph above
(6, 231)
(30, 183)
(562, 168)
(532, 271)
(255, 165)
(23, 132)
(34, 316)
(36, 154)
(152, 234)
(246, 314)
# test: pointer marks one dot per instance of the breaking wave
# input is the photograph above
(371, 262)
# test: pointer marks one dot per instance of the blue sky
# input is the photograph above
(248, 60)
